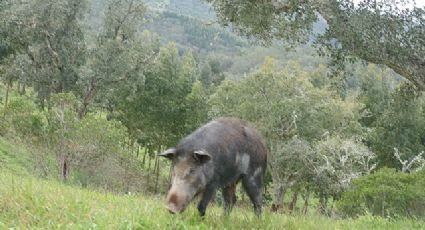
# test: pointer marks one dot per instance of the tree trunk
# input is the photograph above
(322, 203)
(278, 193)
(144, 156)
(149, 166)
(6, 100)
(157, 170)
(64, 167)
(293, 204)
(306, 197)
(157, 175)
(21, 88)
(90, 94)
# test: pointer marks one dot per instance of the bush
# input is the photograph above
(386, 193)
(98, 156)
(22, 117)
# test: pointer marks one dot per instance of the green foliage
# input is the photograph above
(381, 32)
(99, 158)
(291, 20)
(395, 117)
(375, 93)
(191, 33)
(196, 104)
(294, 115)
(401, 126)
(192, 8)
(119, 56)
(387, 193)
(23, 117)
(112, 92)
(284, 103)
(122, 18)
(62, 115)
(91, 151)
(50, 36)
(169, 103)
(336, 162)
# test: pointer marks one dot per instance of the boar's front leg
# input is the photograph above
(206, 197)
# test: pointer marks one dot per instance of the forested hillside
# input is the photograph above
(92, 91)
(189, 8)
(191, 25)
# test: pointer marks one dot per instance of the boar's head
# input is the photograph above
(190, 174)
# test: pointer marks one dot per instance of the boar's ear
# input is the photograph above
(201, 156)
(169, 153)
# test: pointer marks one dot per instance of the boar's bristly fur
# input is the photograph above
(217, 156)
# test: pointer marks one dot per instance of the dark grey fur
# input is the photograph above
(238, 153)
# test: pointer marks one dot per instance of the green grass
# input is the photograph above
(30, 203)
(14, 157)
(27, 202)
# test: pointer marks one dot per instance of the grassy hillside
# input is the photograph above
(26, 202)
(14, 158)
(19, 159)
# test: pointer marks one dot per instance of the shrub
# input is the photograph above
(98, 156)
(22, 117)
(386, 193)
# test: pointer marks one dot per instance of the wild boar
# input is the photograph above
(217, 156)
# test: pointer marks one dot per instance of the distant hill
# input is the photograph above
(192, 33)
(190, 8)
(186, 22)
(190, 24)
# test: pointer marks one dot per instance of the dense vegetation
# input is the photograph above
(381, 32)
(93, 90)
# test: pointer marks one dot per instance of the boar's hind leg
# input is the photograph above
(229, 197)
(206, 197)
(253, 187)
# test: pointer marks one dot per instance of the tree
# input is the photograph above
(335, 163)
(375, 93)
(50, 34)
(401, 125)
(381, 32)
(62, 124)
(293, 115)
(119, 57)
(169, 102)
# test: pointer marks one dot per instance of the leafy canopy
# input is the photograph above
(381, 32)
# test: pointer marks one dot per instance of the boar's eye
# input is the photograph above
(189, 172)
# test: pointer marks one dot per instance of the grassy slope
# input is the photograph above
(27, 202)
(13, 157)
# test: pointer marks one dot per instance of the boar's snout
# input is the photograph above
(175, 204)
